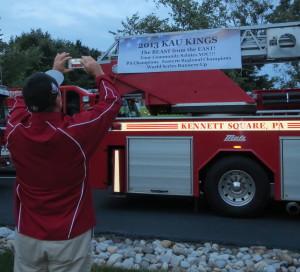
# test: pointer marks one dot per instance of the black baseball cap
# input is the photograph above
(41, 89)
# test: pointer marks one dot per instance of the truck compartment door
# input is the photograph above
(290, 170)
(160, 165)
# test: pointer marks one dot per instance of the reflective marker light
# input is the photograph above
(116, 170)
(85, 99)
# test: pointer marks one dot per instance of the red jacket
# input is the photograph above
(51, 152)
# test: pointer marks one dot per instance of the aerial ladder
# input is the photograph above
(261, 44)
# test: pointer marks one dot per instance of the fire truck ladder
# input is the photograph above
(260, 44)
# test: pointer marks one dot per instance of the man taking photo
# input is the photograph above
(54, 211)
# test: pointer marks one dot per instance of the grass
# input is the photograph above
(7, 261)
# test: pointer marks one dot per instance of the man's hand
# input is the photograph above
(91, 66)
(60, 62)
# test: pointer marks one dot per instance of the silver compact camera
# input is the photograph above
(74, 64)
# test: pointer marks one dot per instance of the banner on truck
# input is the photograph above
(197, 50)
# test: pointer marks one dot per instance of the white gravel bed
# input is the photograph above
(168, 255)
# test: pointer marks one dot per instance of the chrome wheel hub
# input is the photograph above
(236, 188)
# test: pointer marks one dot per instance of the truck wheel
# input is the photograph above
(237, 186)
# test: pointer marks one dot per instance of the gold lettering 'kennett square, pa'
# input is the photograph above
(212, 126)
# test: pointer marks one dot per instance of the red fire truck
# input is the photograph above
(227, 145)
(5, 159)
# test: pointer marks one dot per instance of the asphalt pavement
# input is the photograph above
(175, 218)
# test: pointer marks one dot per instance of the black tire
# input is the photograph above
(237, 186)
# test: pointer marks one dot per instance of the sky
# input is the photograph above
(87, 20)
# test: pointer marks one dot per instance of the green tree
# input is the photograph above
(0, 34)
(192, 15)
(149, 24)
(2, 46)
(35, 51)
(285, 11)
(248, 12)
(1, 37)
(288, 74)
(184, 15)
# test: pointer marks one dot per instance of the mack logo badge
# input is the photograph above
(233, 138)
